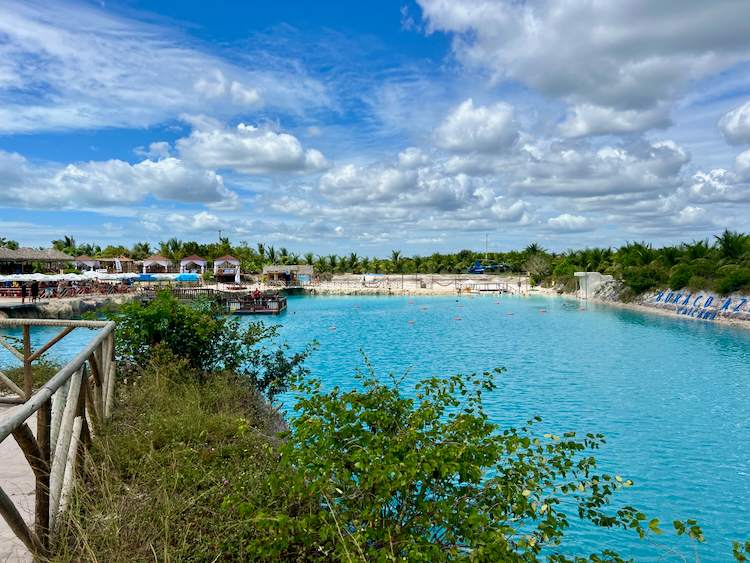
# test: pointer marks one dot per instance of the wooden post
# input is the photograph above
(28, 374)
(41, 522)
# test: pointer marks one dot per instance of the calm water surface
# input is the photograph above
(670, 395)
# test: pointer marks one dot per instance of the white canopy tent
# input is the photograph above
(85, 276)
(86, 262)
(188, 261)
(156, 260)
(227, 266)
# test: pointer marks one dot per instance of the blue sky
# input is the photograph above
(338, 126)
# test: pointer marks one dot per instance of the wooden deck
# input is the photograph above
(263, 305)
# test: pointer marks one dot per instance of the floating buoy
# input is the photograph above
(423, 308)
(456, 318)
(411, 322)
(509, 313)
(542, 310)
(332, 327)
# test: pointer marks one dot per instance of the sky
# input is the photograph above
(417, 125)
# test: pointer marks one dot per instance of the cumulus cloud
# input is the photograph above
(588, 119)
(354, 184)
(248, 149)
(483, 129)
(735, 125)
(584, 172)
(412, 157)
(569, 223)
(621, 57)
(111, 182)
(216, 86)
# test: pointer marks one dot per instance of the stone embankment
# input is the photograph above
(68, 308)
(704, 306)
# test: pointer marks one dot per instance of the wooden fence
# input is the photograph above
(69, 409)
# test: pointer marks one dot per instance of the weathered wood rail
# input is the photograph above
(69, 410)
(182, 293)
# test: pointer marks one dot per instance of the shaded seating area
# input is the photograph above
(25, 260)
(288, 274)
(193, 264)
(119, 265)
(86, 263)
(227, 269)
(156, 264)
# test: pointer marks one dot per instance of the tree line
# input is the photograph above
(721, 264)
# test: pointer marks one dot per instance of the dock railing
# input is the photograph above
(69, 409)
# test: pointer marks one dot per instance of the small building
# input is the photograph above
(119, 265)
(156, 264)
(193, 264)
(227, 269)
(23, 260)
(288, 274)
(86, 263)
(589, 282)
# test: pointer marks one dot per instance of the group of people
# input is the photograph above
(33, 288)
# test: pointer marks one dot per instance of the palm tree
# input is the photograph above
(533, 248)
(66, 244)
(261, 251)
(396, 260)
(353, 262)
(7, 243)
(333, 261)
(171, 249)
(141, 250)
(271, 252)
(309, 258)
(696, 249)
(283, 255)
(731, 244)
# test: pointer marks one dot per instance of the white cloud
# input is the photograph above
(412, 157)
(80, 67)
(569, 223)
(353, 184)
(248, 149)
(484, 129)
(583, 172)
(110, 182)
(628, 57)
(588, 119)
(735, 125)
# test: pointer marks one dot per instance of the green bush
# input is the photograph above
(371, 475)
(680, 276)
(643, 278)
(207, 340)
(735, 280)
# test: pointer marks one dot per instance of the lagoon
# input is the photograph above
(671, 395)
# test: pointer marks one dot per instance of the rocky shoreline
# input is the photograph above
(68, 308)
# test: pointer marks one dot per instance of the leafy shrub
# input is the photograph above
(206, 340)
(643, 278)
(372, 475)
(680, 276)
(735, 280)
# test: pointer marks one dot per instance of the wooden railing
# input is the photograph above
(69, 409)
(182, 293)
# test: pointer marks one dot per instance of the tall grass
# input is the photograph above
(154, 485)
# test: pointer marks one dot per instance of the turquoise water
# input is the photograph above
(670, 395)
